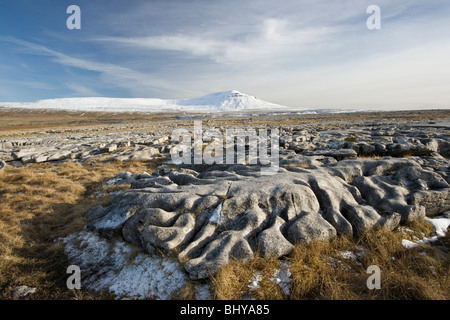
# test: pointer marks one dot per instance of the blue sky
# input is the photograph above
(316, 54)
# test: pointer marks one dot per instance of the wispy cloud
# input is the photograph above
(129, 79)
(275, 39)
(81, 90)
(30, 84)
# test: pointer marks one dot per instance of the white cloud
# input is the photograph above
(276, 38)
(134, 81)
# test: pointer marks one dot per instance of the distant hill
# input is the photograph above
(227, 101)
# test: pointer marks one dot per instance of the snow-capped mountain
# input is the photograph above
(216, 102)
(230, 101)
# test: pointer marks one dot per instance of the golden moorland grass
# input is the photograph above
(40, 204)
(324, 270)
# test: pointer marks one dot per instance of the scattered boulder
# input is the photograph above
(365, 149)
(444, 147)
(146, 153)
(108, 148)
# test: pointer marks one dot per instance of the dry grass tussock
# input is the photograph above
(337, 270)
(41, 203)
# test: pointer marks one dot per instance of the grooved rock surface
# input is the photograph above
(208, 217)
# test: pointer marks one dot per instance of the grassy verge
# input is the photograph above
(40, 204)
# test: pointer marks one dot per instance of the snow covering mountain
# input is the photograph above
(229, 101)
(216, 102)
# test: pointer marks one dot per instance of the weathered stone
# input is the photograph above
(435, 202)
(380, 149)
(59, 155)
(431, 144)
(335, 153)
(161, 140)
(229, 244)
(144, 154)
(6, 156)
(109, 148)
(310, 227)
(272, 243)
(366, 149)
(5, 145)
(398, 149)
(409, 192)
(285, 140)
(19, 154)
(443, 147)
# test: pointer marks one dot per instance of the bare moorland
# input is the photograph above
(60, 165)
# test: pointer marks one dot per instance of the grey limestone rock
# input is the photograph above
(209, 217)
(310, 227)
(272, 243)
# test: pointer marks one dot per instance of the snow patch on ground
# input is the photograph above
(413, 244)
(354, 256)
(440, 225)
(123, 270)
(203, 292)
(348, 255)
(255, 280)
(113, 181)
(282, 277)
